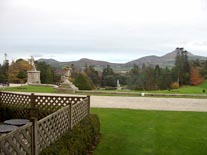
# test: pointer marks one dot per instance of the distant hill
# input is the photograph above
(167, 60)
(51, 62)
(82, 62)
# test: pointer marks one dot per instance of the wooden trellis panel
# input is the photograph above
(65, 112)
(79, 111)
(53, 126)
(49, 104)
(53, 103)
(15, 100)
(18, 142)
(17, 103)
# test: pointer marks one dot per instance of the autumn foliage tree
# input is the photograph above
(195, 77)
(18, 68)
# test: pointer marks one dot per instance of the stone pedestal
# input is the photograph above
(66, 89)
(66, 86)
(33, 77)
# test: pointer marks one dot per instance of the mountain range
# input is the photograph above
(167, 60)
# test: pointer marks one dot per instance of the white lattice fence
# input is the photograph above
(15, 100)
(49, 104)
(33, 137)
(53, 126)
(79, 111)
(17, 103)
(18, 142)
(20, 104)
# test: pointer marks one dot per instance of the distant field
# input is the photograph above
(139, 132)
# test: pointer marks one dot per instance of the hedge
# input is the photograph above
(81, 140)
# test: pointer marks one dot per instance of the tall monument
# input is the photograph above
(33, 76)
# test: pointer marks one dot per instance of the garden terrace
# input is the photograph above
(51, 115)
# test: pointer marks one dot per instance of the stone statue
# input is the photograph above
(67, 71)
(66, 85)
(33, 76)
(66, 76)
(31, 62)
(118, 85)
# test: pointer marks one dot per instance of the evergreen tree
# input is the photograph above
(22, 75)
(92, 74)
(165, 79)
(46, 72)
(157, 75)
(182, 67)
(108, 77)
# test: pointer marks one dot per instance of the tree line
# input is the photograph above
(184, 72)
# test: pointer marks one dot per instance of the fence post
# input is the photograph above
(0, 99)
(71, 116)
(33, 109)
(1, 106)
(34, 136)
(32, 97)
(89, 103)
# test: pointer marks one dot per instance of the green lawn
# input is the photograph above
(139, 132)
(183, 90)
(187, 90)
(40, 89)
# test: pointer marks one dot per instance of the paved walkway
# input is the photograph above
(149, 103)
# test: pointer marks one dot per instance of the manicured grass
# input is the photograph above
(187, 90)
(139, 132)
(40, 89)
(183, 90)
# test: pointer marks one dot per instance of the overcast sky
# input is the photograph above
(110, 30)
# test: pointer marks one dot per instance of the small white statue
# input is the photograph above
(31, 62)
(118, 85)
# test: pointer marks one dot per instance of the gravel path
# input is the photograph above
(146, 103)
(149, 103)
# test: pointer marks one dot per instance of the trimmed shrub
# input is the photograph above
(175, 85)
(83, 82)
(79, 141)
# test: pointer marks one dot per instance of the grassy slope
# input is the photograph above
(133, 132)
